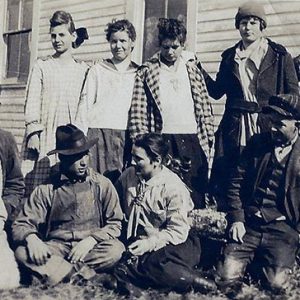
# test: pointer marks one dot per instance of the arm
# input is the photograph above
(138, 116)
(88, 97)
(177, 228)
(291, 81)
(111, 211)
(13, 186)
(216, 88)
(33, 214)
(33, 101)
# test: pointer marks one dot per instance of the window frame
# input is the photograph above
(135, 12)
(4, 81)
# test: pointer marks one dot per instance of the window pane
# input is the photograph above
(13, 14)
(154, 9)
(24, 56)
(177, 9)
(27, 14)
(13, 53)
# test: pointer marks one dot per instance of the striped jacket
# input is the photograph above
(145, 112)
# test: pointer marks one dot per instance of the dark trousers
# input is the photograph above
(169, 268)
(273, 246)
(186, 147)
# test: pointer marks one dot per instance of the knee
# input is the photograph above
(230, 269)
(275, 279)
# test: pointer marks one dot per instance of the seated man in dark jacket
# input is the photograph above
(264, 203)
(80, 212)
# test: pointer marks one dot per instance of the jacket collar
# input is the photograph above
(274, 50)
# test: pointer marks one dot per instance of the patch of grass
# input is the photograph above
(90, 291)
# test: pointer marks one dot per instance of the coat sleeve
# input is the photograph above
(88, 97)
(291, 81)
(111, 211)
(138, 119)
(216, 88)
(33, 214)
(33, 101)
(13, 186)
(237, 182)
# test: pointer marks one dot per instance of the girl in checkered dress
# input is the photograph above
(52, 96)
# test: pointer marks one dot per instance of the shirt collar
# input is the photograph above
(255, 52)
(156, 179)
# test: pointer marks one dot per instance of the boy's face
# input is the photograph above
(171, 50)
(76, 165)
(249, 29)
(283, 130)
(121, 45)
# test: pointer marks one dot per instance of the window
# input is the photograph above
(17, 36)
(155, 9)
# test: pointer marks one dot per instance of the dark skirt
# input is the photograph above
(111, 153)
(227, 152)
(186, 147)
(169, 268)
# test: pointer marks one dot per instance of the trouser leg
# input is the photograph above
(56, 267)
(236, 257)
(104, 255)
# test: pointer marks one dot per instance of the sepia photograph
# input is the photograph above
(150, 149)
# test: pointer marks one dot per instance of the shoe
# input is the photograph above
(203, 285)
(110, 282)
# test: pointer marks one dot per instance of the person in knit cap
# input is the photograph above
(250, 72)
(263, 199)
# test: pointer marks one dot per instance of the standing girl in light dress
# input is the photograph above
(105, 101)
(53, 92)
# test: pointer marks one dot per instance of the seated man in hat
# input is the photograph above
(161, 253)
(80, 213)
(264, 203)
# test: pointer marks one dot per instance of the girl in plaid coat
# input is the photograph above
(170, 97)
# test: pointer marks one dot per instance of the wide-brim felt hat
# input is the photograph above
(70, 140)
(286, 105)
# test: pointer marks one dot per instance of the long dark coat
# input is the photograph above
(248, 175)
(276, 75)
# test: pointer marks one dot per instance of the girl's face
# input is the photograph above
(121, 45)
(61, 38)
(250, 30)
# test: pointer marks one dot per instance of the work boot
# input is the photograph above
(202, 284)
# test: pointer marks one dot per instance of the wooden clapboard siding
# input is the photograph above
(94, 15)
(216, 32)
(12, 111)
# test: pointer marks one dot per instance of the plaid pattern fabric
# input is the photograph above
(145, 115)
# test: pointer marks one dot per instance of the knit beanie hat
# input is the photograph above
(253, 9)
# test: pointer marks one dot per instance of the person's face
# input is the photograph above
(76, 165)
(121, 45)
(283, 130)
(61, 38)
(250, 30)
(143, 165)
(170, 50)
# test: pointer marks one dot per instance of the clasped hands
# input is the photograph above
(39, 252)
